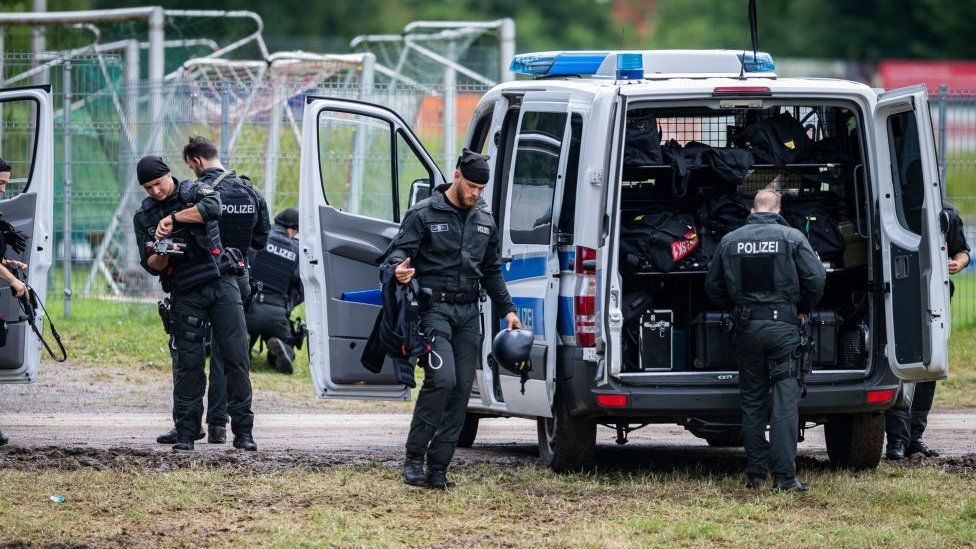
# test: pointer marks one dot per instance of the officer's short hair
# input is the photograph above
(767, 200)
(199, 147)
(4, 166)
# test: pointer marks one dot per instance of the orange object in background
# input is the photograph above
(430, 117)
(898, 73)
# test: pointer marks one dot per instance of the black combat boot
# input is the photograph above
(789, 485)
(216, 434)
(895, 451)
(919, 447)
(413, 470)
(245, 442)
(437, 479)
(3, 439)
(755, 483)
(169, 437)
(280, 356)
(183, 445)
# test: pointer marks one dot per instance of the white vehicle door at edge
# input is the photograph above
(359, 163)
(913, 247)
(531, 272)
(27, 144)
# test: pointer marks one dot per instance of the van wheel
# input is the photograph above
(468, 431)
(731, 438)
(854, 441)
(566, 443)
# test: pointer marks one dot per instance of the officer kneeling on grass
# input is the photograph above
(767, 271)
(450, 243)
(174, 229)
(274, 271)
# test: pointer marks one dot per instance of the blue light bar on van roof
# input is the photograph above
(556, 63)
(606, 64)
(758, 62)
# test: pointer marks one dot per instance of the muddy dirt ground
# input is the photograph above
(89, 418)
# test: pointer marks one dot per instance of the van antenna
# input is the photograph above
(754, 33)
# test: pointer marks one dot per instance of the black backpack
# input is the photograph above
(812, 219)
(643, 141)
(724, 213)
(777, 140)
(662, 242)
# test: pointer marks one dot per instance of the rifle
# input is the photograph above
(804, 354)
(29, 303)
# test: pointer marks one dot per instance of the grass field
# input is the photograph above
(523, 506)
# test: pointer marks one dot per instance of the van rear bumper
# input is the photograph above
(649, 402)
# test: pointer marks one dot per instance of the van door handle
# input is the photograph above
(507, 260)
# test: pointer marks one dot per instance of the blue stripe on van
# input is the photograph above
(564, 319)
(531, 311)
(567, 261)
(520, 268)
(371, 297)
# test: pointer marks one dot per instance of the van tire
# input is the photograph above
(855, 441)
(567, 444)
(468, 431)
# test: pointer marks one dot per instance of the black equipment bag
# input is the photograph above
(812, 219)
(642, 145)
(713, 342)
(724, 213)
(777, 140)
(730, 166)
(823, 330)
(662, 242)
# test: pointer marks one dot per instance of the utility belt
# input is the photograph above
(439, 296)
(268, 298)
(786, 312)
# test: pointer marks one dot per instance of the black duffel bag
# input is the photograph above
(642, 145)
(662, 242)
(812, 219)
(724, 213)
(777, 140)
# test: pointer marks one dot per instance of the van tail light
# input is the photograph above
(880, 396)
(584, 299)
(612, 401)
(761, 91)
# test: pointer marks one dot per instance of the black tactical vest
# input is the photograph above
(275, 265)
(238, 211)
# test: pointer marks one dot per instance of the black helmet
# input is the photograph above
(511, 350)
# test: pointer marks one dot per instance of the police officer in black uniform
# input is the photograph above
(450, 243)
(18, 288)
(244, 225)
(769, 273)
(204, 295)
(274, 270)
(905, 427)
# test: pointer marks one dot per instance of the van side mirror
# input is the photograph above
(419, 190)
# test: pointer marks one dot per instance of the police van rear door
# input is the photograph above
(534, 187)
(27, 144)
(359, 162)
(912, 244)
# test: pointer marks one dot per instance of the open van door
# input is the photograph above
(916, 275)
(27, 144)
(359, 164)
(534, 191)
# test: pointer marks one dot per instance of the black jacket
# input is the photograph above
(451, 250)
(765, 262)
(262, 225)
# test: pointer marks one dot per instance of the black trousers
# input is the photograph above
(216, 387)
(266, 320)
(443, 399)
(764, 352)
(907, 426)
(213, 306)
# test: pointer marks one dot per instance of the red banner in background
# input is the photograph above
(896, 73)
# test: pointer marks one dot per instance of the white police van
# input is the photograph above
(27, 145)
(565, 187)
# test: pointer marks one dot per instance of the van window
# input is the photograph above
(482, 124)
(18, 143)
(355, 159)
(906, 170)
(567, 215)
(534, 181)
(410, 173)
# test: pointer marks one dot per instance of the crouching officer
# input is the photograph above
(904, 428)
(767, 271)
(243, 226)
(450, 243)
(174, 229)
(278, 289)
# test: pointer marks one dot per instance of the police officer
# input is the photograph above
(767, 271)
(244, 225)
(204, 296)
(450, 243)
(274, 269)
(905, 427)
